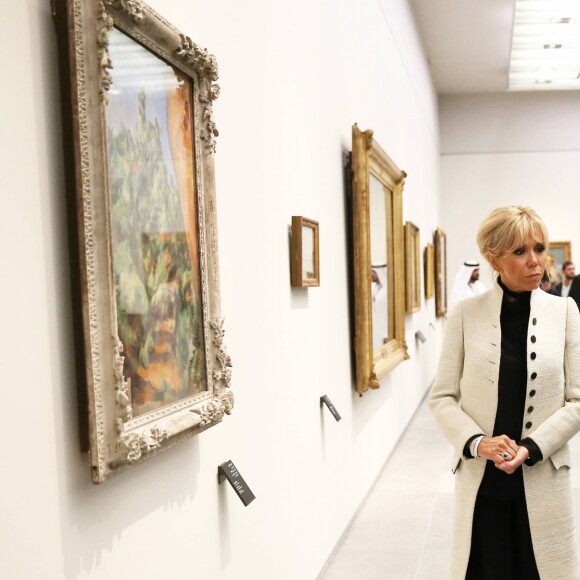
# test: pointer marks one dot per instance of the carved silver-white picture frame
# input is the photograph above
(157, 371)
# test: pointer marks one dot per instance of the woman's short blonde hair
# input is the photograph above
(506, 228)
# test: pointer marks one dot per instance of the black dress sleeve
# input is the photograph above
(534, 450)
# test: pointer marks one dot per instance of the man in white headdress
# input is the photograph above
(466, 283)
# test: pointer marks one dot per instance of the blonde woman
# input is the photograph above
(507, 396)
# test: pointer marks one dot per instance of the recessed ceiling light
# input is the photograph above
(544, 54)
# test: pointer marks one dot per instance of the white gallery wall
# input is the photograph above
(294, 77)
(514, 148)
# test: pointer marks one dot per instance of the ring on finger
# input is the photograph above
(505, 455)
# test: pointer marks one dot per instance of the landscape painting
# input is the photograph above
(154, 227)
(139, 148)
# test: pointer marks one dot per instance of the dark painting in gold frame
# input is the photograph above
(412, 268)
(440, 246)
(429, 265)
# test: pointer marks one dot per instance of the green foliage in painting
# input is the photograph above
(159, 311)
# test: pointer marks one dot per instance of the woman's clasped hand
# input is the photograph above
(503, 451)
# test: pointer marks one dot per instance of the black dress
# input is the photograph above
(501, 543)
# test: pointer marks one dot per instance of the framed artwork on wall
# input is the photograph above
(429, 264)
(440, 243)
(560, 252)
(304, 253)
(139, 121)
(379, 261)
(412, 268)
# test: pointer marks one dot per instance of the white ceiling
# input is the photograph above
(467, 43)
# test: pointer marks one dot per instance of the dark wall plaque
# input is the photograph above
(324, 399)
(231, 473)
(420, 336)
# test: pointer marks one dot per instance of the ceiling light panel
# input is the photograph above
(545, 45)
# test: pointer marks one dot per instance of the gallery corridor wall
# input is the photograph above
(294, 77)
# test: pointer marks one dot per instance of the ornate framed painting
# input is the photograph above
(142, 140)
(412, 268)
(379, 261)
(429, 262)
(440, 243)
(304, 253)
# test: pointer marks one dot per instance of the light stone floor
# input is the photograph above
(403, 530)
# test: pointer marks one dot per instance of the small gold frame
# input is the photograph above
(304, 253)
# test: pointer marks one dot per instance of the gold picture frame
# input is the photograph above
(440, 244)
(377, 177)
(561, 252)
(429, 262)
(412, 268)
(304, 253)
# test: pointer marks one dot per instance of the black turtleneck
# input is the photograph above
(512, 384)
(513, 366)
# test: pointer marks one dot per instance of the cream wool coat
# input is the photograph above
(464, 402)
